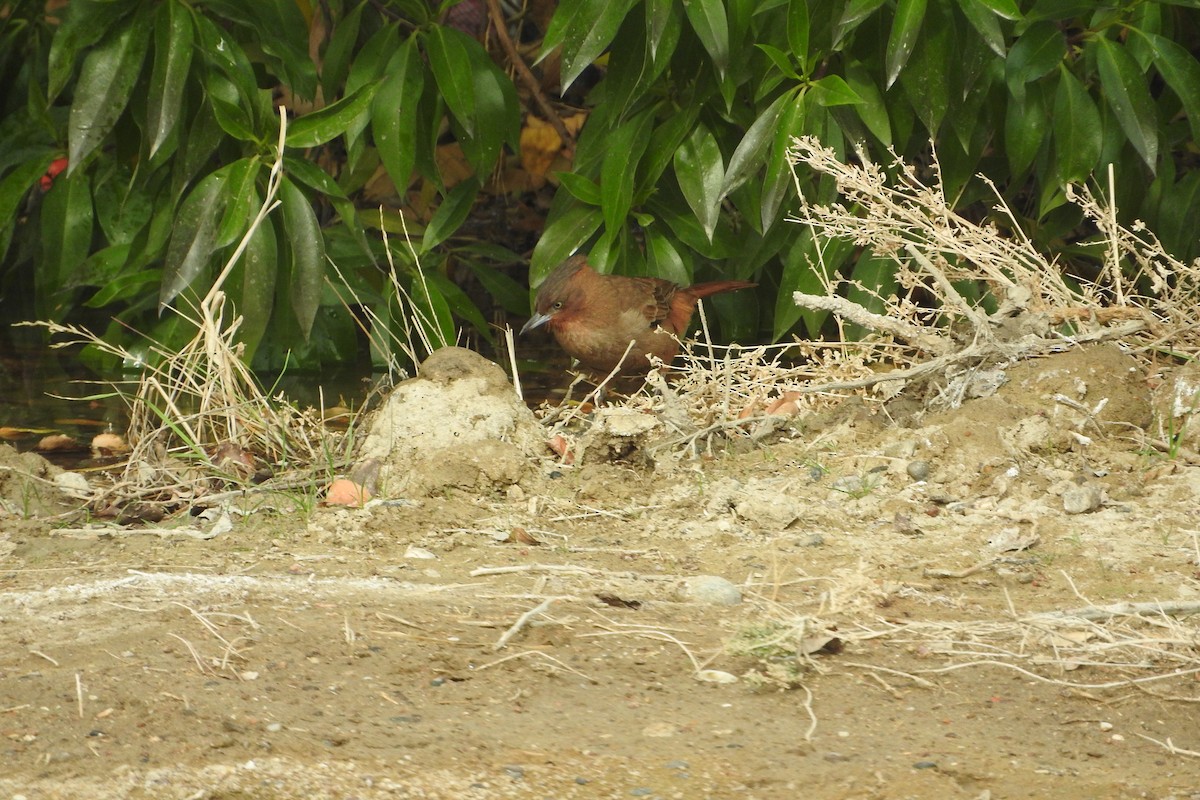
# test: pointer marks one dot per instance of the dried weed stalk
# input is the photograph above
(1142, 297)
(200, 413)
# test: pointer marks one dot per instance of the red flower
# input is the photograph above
(56, 166)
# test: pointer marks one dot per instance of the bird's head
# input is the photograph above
(561, 295)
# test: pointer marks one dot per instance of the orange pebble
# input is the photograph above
(345, 492)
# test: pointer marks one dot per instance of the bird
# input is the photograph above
(595, 317)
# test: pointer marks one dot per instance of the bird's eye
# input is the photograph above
(557, 305)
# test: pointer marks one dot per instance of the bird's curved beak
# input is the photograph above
(536, 321)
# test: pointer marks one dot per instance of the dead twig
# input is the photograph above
(522, 621)
(500, 26)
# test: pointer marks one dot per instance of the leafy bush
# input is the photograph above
(164, 110)
(684, 150)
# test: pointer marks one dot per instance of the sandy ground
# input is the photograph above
(895, 608)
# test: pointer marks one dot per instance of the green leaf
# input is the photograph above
(1181, 71)
(856, 11)
(17, 184)
(582, 189)
(926, 80)
(905, 28)
(394, 113)
(1040, 49)
(663, 143)
(204, 135)
(1004, 8)
(664, 260)
(589, 27)
(228, 109)
(627, 145)
(803, 264)
(240, 190)
(193, 237)
(150, 244)
(459, 303)
(984, 20)
(84, 23)
(1060, 9)
(1129, 97)
(751, 152)
(659, 14)
(307, 246)
(512, 296)
(712, 27)
(67, 222)
(1024, 129)
(832, 90)
(700, 171)
(563, 236)
(312, 176)
(123, 207)
(497, 114)
(319, 127)
(119, 287)
(779, 178)
(374, 57)
(798, 29)
(106, 82)
(253, 295)
(687, 228)
(284, 38)
(435, 316)
(873, 109)
(452, 212)
(451, 62)
(781, 60)
(226, 57)
(173, 41)
(631, 71)
(1078, 131)
(338, 54)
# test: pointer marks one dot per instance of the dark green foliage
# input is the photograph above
(701, 99)
(166, 111)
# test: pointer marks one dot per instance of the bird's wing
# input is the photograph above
(658, 305)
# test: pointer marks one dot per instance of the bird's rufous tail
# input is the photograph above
(716, 287)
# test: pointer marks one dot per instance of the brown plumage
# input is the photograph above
(594, 317)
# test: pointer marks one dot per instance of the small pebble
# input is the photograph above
(850, 484)
(514, 772)
(438, 682)
(275, 727)
(918, 470)
(641, 791)
(676, 765)
(581, 781)
(813, 540)
(1082, 499)
(925, 765)
(711, 590)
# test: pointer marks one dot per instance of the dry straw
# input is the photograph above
(1142, 297)
(199, 412)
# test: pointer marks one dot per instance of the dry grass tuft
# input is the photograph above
(200, 422)
(1142, 297)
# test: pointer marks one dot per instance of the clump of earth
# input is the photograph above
(992, 601)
